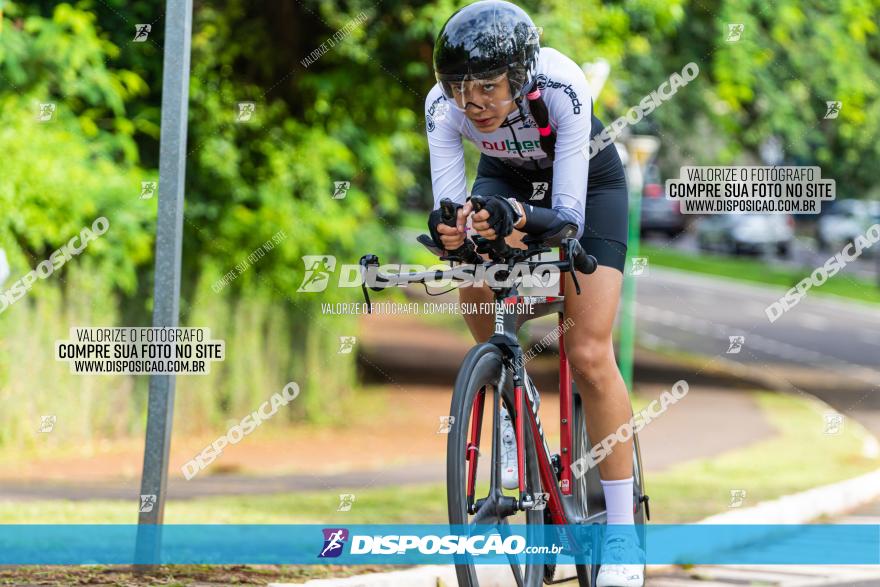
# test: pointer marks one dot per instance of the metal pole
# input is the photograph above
(166, 291)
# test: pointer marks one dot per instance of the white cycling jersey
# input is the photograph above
(569, 103)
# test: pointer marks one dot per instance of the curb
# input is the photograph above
(797, 508)
(426, 576)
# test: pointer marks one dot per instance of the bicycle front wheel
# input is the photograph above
(473, 457)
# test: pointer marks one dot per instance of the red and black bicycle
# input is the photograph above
(494, 374)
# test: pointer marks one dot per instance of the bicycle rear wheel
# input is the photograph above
(586, 489)
(474, 397)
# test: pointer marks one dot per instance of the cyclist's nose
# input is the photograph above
(475, 105)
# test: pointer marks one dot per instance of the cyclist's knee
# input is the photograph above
(591, 357)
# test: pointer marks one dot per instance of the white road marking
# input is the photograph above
(812, 321)
(767, 345)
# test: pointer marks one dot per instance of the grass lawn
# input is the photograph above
(800, 456)
(755, 271)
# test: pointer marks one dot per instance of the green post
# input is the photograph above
(628, 317)
(640, 151)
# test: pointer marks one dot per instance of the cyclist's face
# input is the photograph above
(485, 102)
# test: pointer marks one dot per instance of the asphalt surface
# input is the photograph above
(827, 347)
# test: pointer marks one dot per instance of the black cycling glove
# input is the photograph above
(436, 218)
(502, 215)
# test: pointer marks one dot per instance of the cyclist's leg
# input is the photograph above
(480, 324)
(591, 355)
(590, 352)
(588, 342)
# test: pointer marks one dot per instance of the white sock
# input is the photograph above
(619, 500)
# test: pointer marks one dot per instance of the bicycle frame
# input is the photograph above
(565, 507)
(560, 501)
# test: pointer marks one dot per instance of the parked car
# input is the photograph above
(740, 234)
(658, 213)
(845, 220)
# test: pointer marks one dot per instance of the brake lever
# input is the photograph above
(366, 261)
(569, 256)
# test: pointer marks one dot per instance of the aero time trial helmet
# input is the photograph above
(484, 40)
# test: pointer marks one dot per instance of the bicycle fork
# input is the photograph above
(504, 505)
(495, 506)
(472, 454)
(526, 500)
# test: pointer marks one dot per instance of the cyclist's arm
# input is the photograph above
(570, 115)
(447, 154)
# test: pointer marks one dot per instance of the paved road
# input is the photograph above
(803, 254)
(781, 575)
(828, 347)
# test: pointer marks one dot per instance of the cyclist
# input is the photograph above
(529, 111)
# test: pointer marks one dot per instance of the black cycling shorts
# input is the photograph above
(606, 215)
